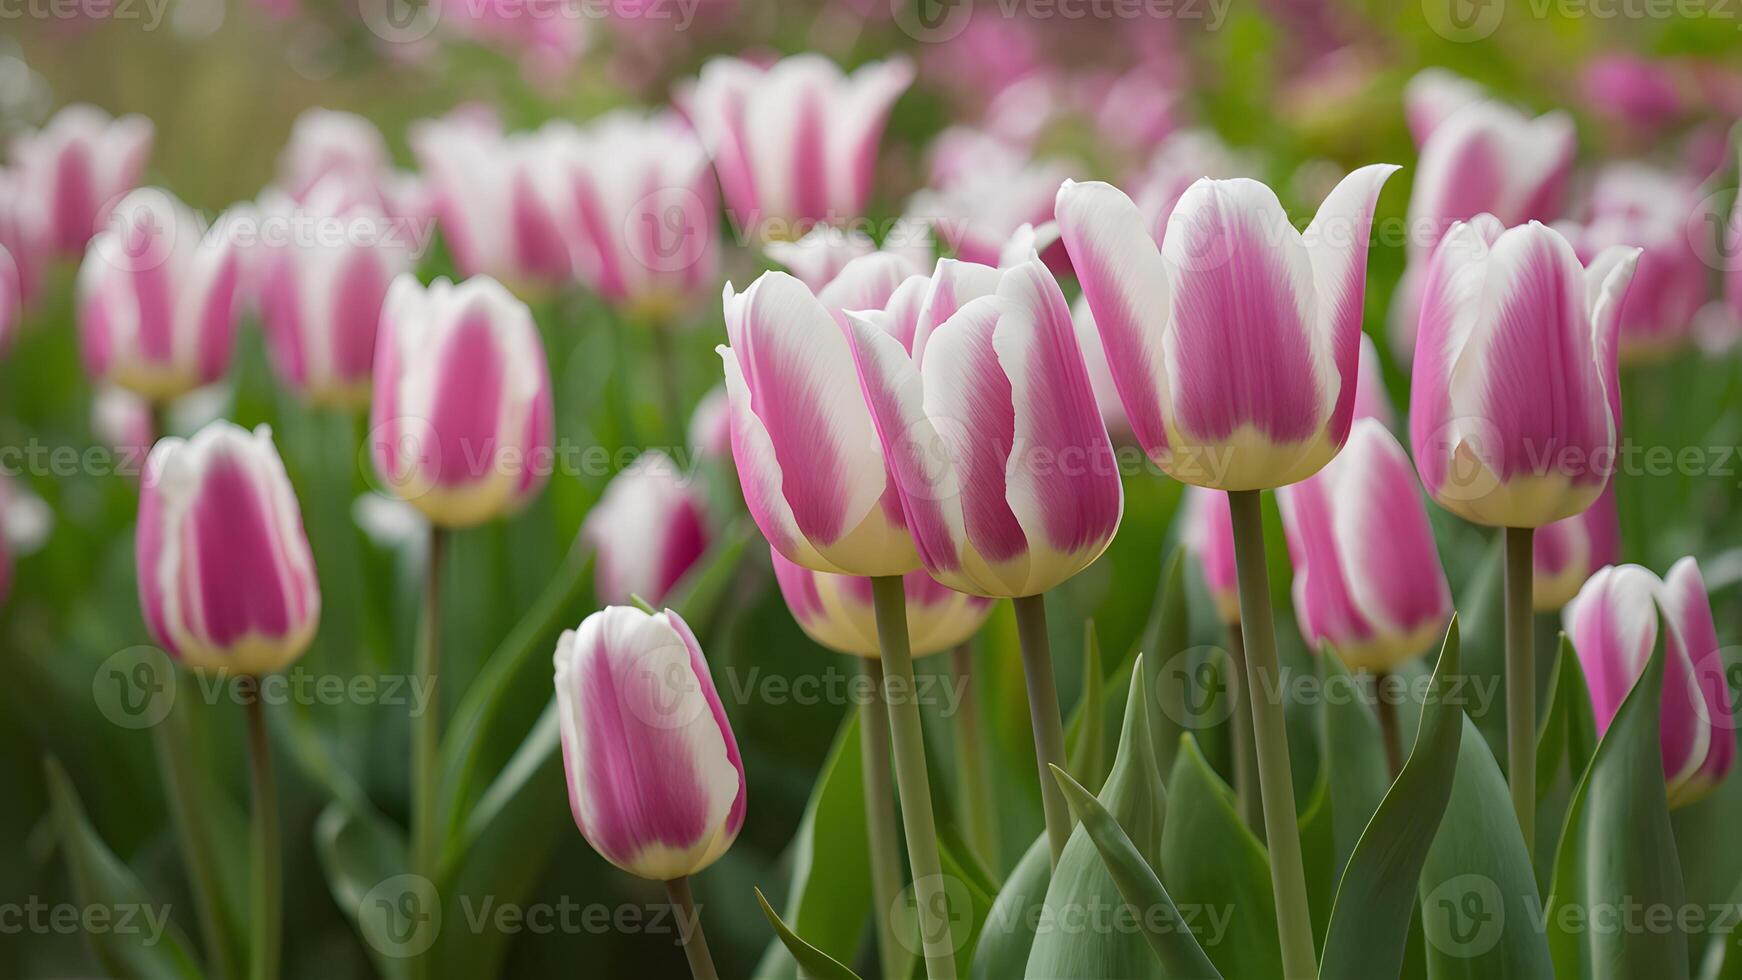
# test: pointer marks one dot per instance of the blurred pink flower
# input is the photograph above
(77, 167)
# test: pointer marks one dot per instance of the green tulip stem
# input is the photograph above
(689, 924)
(907, 738)
(1521, 682)
(882, 836)
(1245, 756)
(426, 730)
(187, 802)
(1270, 733)
(1043, 716)
(266, 929)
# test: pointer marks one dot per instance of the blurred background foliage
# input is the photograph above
(223, 83)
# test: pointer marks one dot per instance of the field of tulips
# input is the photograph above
(889, 489)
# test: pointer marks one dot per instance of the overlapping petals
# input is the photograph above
(836, 610)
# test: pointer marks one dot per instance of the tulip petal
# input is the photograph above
(1336, 243)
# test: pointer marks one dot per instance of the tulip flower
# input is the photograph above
(1511, 411)
(1434, 95)
(23, 232)
(1635, 205)
(655, 781)
(1515, 413)
(226, 578)
(157, 298)
(11, 300)
(1614, 624)
(1371, 400)
(1644, 96)
(820, 254)
(77, 167)
(1235, 344)
(499, 200)
(643, 210)
(1100, 374)
(978, 211)
(321, 294)
(123, 422)
(327, 145)
(1209, 536)
(1486, 157)
(1368, 579)
(710, 432)
(461, 419)
(1565, 554)
(836, 610)
(795, 144)
(1177, 164)
(648, 529)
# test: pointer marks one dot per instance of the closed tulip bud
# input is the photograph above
(795, 143)
(648, 529)
(11, 301)
(644, 212)
(808, 459)
(1235, 345)
(1003, 464)
(461, 417)
(1484, 158)
(499, 199)
(1614, 624)
(226, 579)
(1368, 579)
(1514, 411)
(1636, 206)
(836, 610)
(1209, 536)
(78, 166)
(1568, 551)
(157, 298)
(655, 782)
(320, 295)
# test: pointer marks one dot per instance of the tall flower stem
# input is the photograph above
(1245, 756)
(689, 923)
(667, 366)
(972, 763)
(426, 729)
(1270, 733)
(1521, 682)
(881, 834)
(908, 741)
(1388, 727)
(1043, 715)
(267, 926)
(169, 738)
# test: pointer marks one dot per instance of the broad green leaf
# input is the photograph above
(1482, 618)
(1008, 932)
(967, 918)
(1165, 638)
(365, 862)
(1135, 797)
(1212, 862)
(1354, 754)
(1369, 928)
(829, 898)
(1564, 744)
(1478, 897)
(1171, 939)
(813, 963)
(1618, 847)
(102, 881)
(1085, 743)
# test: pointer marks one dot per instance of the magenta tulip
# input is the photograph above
(824, 251)
(795, 144)
(1513, 410)
(836, 610)
(1567, 552)
(157, 298)
(978, 211)
(655, 782)
(648, 529)
(1367, 579)
(1235, 344)
(226, 578)
(77, 167)
(1613, 624)
(1209, 536)
(460, 425)
(329, 146)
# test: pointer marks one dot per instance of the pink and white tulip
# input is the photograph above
(978, 211)
(1567, 552)
(1179, 162)
(1371, 401)
(1209, 536)
(460, 425)
(78, 166)
(226, 578)
(985, 411)
(1434, 95)
(1614, 624)
(710, 430)
(23, 232)
(824, 251)
(836, 610)
(499, 199)
(809, 461)
(655, 781)
(1367, 577)
(1642, 95)
(320, 295)
(644, 210)
(648, 529)
(1484, 158)
(157, 298)
(1514, 413)
(1656, 211)
(122, 421)
(11, 301)
(795, 143)
(327, 145)
(1235, 344)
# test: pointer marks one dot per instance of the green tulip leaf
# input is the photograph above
(1085, 743)
(1007, 935)
(813, 963)
(364, 858)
